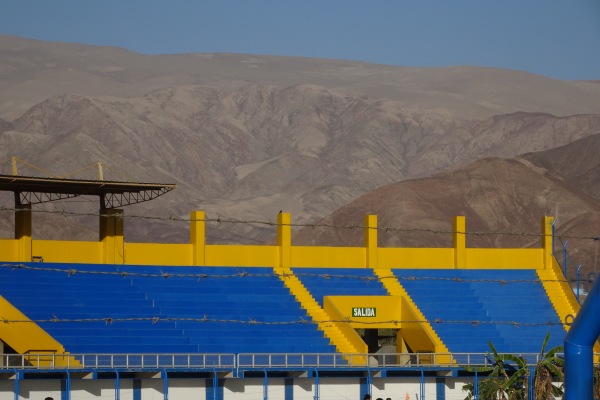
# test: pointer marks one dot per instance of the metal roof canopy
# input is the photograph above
(113, 194)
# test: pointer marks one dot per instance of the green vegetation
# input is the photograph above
(508, 378)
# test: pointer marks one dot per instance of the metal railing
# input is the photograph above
(378, 360)
(250, 360)
(97, 361)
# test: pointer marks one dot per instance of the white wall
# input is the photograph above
(395, 388)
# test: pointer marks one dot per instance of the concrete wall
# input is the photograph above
(115, 250)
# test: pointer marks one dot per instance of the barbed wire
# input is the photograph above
(253, 222)
(302, 321)
(327, 276)
(205, 319)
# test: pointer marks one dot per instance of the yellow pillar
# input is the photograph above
(371, 243)
(459, 242)
(111, 235)
(198, 237)
(23, 232)
(284, 239)
(547, 241)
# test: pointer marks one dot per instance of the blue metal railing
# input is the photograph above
(259, 361)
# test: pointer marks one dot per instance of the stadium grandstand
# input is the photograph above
(113, 319)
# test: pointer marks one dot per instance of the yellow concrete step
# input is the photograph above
(424, 334)
(302, 295)
(27, 337)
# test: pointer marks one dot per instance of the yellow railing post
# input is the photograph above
(284, 239)
(547, 241)
(371, 244)
(198, 237)
(459, 241)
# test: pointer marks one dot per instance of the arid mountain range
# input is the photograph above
(246, 136)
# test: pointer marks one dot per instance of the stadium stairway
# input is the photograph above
(321, 282)
(562, 297)
(341, 342)
(558, 290)
(27, 337)
(311, 285)
(425, 336)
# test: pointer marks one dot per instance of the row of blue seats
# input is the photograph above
(138, 268)
(113, 301)
(146, 307)
(211, 275)
(195, 348)
(482, 274)
(243, 302)
(57, 284)
(242, 319)
(171, 287)
(163, 339)
(116, 348)
(263, 333)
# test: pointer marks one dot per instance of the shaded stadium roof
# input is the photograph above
(34, 190)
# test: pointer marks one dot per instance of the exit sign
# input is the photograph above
(364, 312)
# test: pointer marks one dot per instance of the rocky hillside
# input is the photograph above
(32, 71)
(503, 201)
(244, 137)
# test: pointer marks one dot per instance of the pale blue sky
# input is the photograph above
(556, 38)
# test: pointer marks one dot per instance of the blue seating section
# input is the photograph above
(245, 310)
(322, 282)
(249, 310)
(468, 308)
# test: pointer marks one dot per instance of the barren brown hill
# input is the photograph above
(503, 201)
(32, 71)
(578, 162)
(249, 152)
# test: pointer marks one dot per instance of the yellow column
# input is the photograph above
(198, 237)
(111, 235)
(23, 232)
(371, 244)
(547, 241)
(284, 239)
(119, 223)
(459, 242)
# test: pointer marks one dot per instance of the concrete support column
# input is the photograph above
(23, 229)
(459, 242)
(111, 235)
(198, 237)
(284, 239)
(371, 242)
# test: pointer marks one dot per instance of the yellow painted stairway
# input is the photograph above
(561, 296)
(420, 336)
(342, 343)
(28, 338)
